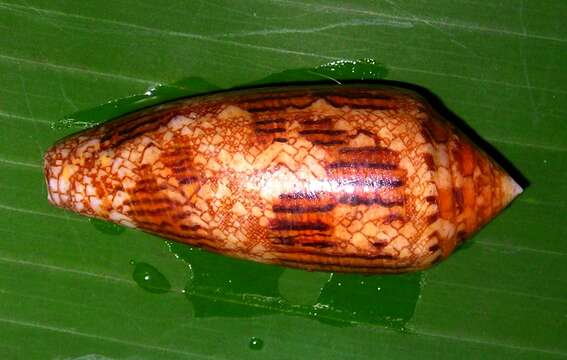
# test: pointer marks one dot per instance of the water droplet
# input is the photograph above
(256, 343)
(107, 227)
(75, 121)
(150, 279)
(159, 93)
(362, 69)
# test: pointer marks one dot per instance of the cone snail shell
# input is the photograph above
(363, 179)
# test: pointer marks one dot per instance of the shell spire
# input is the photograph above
(336, 178)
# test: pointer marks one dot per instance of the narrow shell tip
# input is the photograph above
(511, 188)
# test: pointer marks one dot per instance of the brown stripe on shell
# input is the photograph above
(431, 199)
(276, 104)
(436, 130)
(459, 200)
(356, 102)
(342, 264)
(302, 210)
(367, 149)
(328, 143)
(319, 244)
(278, 225)
(430, 162)
(332, 255)
(434, 247)
(324, 121)
(386, 268)
(357, 200)
(270, 121)
(322, 132)
(360, 165)
(432, 218)
(120, 132)
(271, 130)
(394, 217)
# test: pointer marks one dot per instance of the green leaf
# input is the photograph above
(68, 289)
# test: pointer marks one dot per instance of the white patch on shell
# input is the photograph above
(239, 210)
(362, 140)
(119, 199)
(95, 143)
(178, 122)
(53, 184)
(116, 164)
(63, 185)
(151, 155)
(95, 203)
(397, 145)
(91, 191)
(232, 111)
(56, 198)
(55, 170)
(442, 156)
(240, 164)
(443, 178)
(121, 218)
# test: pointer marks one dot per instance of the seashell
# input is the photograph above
(367, 179)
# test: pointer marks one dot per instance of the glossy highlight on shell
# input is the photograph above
(350, 178)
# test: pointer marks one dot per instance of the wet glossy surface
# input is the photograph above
(149, 278)
(220, 287)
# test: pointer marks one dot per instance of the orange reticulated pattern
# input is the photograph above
(338, 178)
